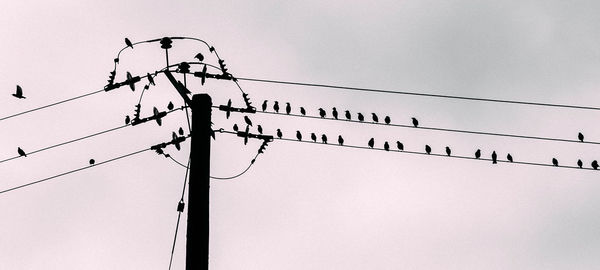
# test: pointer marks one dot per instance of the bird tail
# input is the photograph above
(494, 162)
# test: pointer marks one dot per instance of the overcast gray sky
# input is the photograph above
(307, 206)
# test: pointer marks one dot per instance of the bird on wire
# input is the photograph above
(180, 131)
(19, 92)
(580, 137)
(509, 157)
(298, 135)
(427, 149)
(288, 108)
(170, 106)
(21, 152)
(580, 163)
(375, 118)
(361, 117)
(340, 140)
(247, 120)
(478, 154)
(200, 57)
(260, 130)
(400, 146)
(313, 137)
(372, 142)
(494, 157)
(348, 115)
(235, 128)
(279, 133)
(127, 120)
(595, 164)
(276, 106)
(415, 122)
(322, 113)
(334, 113)
(264, 106)
(128, 43)
(386, 146)
(302, 111)
(324, 138)
(387, 120)
(555, 162)
(92, 162)
(448, 151)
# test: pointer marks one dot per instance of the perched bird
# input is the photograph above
(595, 164)
(494, 158)
(298, 135)
(348, 116)
(276, 106)
(371, 142)
(200, 57)
(260, 130)
(279, 134)
(555, 162)
(128, 43)
(264, 106)
(361, 117)
(150, 79)
(375, 118)
(387, 120)
(509, 157)
(427, 149)
(247, 120)
(322, 113)
(313, 137)
(127, 120)
(21, 152)
(92, 161)
(302, 111)
(288, 108)
(335, 113)
(180, 131)
(340, 140)
(386, 146)
(170, 106)
(235, 127)
(324, 138)
(19, 92)
(580, 163)
(580, 136)
(400, 146)
(415, 122)
(478, 154)
(448, 151)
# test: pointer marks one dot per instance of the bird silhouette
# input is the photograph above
(276, 106)
(128, 43)
(180, 131)
(260, 130)
(580, 163)
(400, 146)
(361, 117)
(494, 157)
(371, 142)
(279, 134)
(150, 79)
(302, 111)
(156, 114)
(324, 138)
(19, 92)
(264, 106)
(509, 157)
(21, 152)
(146, 87)
(170, 106)
(322, 113)
(298, 135)
(288, 108)
(313, 137)
(478, 154)
(448, 151)
(580, 136)
(130, 80)
(387, 120)
(335, 113)
(375, 118)
(555, 162)
(595, 164)
(127, 120)
(247, 120)
(235, 128)
(427, 149)
(415, 122)
(386, 146)
(200, 57)
(348, 116)
(92, 161)
(340, 140)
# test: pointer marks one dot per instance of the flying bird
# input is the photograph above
(21, 152)
(494, 158)
(335, 113)
(247, 120)
(298, 135)
(276, 106)
(200, 57)
(313, 137)
(478, 154)
(288, 108)
(375, 118)
(302, 111)
(322, 113)
(580, 163)
(260, 130)
(128, 43)
(361, 117)
(427, 149)
(509, 157)
(235, 128)
(448, 151)
(372, 142)
(150, 79)
(340, 140)
(264, 106)
(595, 164)
(170, 106)
(19, 92)
(180, 131)
(400, 146)
(92, 161)
(386, 146)
(387, 120)
(555, 162)
(127, 120)
(324, 138)
(348, 116)
(415, 122)
(580, 136)
(279, 134)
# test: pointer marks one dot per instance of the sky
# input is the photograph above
(302, 205)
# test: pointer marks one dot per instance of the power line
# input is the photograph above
(239, 174)
(373, 90)
(187, 169)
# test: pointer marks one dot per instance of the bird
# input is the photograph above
(180, 131)
(415, 122)
(298, 135)
(509, 157)
(21, 152)
(279, 134)
(313, 137)
(335, 113)
(494, 158)
(260, 130)
(448, 151)
(340, 140)
(400, 146)
(130, 80)
(375, 118)
(555, 162)
(288, 108)
(361, 117)
(428, 149)
(580, 136)
(247, 120)
(371, 142)
(128, 43)
(276, 106)
(19, 92)
(580, 163)
(322, 113)
(386, 146)
(146, 87)
(302, 111)
(170, 106)
(324, 138)
(150, 79)
(127, 120)
(92, 161)
(348, 116)
(200, 57)
(478, 154)
(595, 164)
(387, 120)
(264, 106)
(235, 127)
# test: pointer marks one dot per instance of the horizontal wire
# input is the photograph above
(421, 94)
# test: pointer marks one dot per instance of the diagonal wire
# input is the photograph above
(187, 169)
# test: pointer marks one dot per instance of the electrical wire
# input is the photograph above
(239, 174)
(373, 90)
(187, 169)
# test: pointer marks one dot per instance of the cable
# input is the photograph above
(187, 169)
(72, 171)
(422, 153)
(421, 94)
(239, 174)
